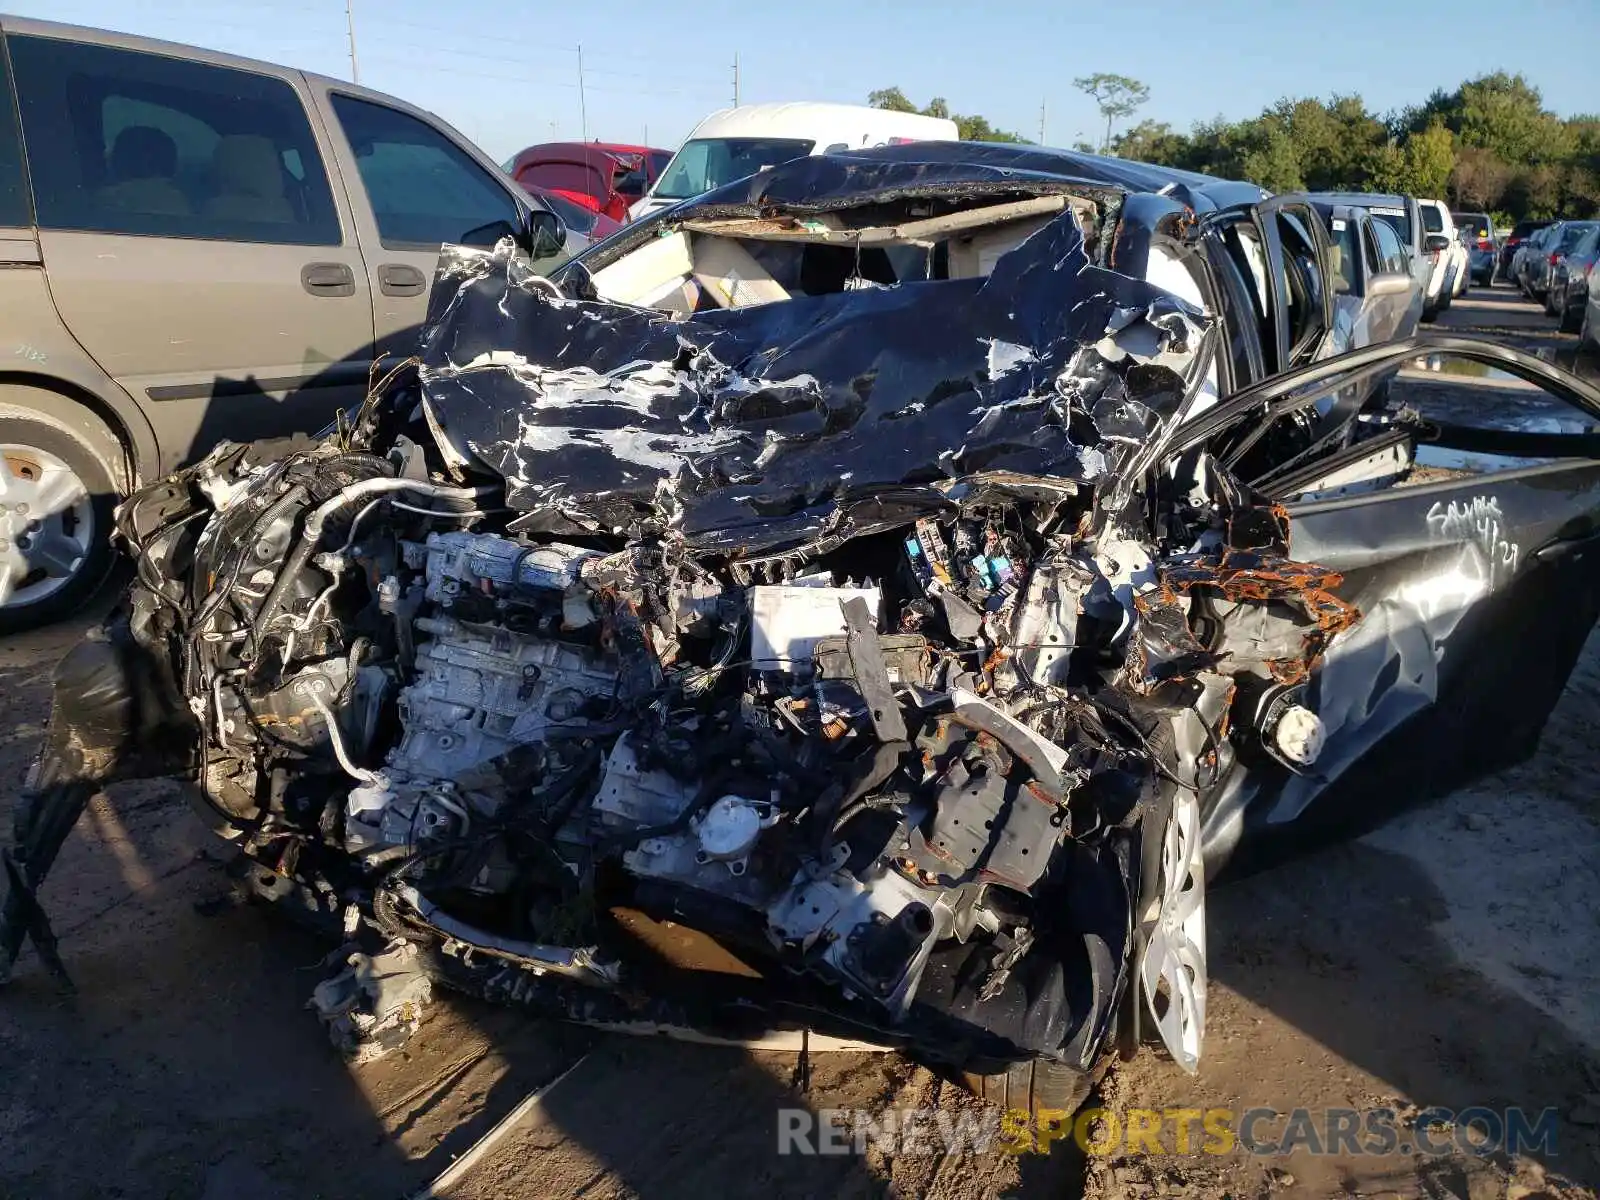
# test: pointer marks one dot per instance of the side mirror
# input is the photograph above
(1436, 241)
(1389, 283)
(544, 233)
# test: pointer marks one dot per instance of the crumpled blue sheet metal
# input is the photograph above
(754, 427)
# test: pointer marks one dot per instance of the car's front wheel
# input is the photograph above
(56, 500)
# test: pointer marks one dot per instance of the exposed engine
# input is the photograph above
(621, 698)
(947, 770)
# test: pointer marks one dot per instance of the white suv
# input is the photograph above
(1451, 265)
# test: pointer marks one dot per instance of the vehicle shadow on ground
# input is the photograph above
(186, 1064)
(1350, 955)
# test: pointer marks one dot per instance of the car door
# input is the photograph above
(1394, 258)
(191, 238)
(414, 187)
(1298, 294)
(1394, 314)
(1461, 524)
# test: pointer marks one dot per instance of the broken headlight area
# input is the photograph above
(613, 702)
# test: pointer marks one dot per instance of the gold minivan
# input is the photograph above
(193, 247)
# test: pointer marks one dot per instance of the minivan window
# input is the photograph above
(120, 141)
(13, 183)
(706, 163)
(425, 190)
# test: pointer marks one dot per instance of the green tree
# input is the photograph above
(891, 98)
(1270, 158)
(1116, 96)
(968, 128)
(1151, 142)
(1430, 156)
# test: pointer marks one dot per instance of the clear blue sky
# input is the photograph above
(506, 73)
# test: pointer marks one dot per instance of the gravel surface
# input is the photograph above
(1451, 957)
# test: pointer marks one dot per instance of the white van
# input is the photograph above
(735, 142)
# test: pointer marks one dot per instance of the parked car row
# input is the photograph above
(1544, 254)
(628, 182)
(1554, 264)
(1515, 240)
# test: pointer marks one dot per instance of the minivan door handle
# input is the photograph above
(328, 279)
(401, 279)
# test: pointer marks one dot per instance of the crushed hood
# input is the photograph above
(753, 427)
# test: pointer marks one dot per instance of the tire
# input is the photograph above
(1036, 1084)
(56, 500)
(1571, 319)
(1585, 334)
(1549, 303)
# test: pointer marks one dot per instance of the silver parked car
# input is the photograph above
(1404, 216)
(198, 247)
(1376, 297)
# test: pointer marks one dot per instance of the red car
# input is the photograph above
(601, 176)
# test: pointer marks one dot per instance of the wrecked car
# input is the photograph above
(859, 601)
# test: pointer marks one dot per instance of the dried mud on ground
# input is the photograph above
(1452, 957)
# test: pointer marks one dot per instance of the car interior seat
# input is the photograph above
(249, 180)
(143, 172)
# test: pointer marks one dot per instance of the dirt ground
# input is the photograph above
(1450, 958)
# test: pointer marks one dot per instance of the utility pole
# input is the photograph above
(350, 28)
(736, 79)
(1041, 122)
(583, 103)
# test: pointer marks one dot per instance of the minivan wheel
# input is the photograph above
(56, 500)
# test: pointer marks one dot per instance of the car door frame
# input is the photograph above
(1273, 340)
